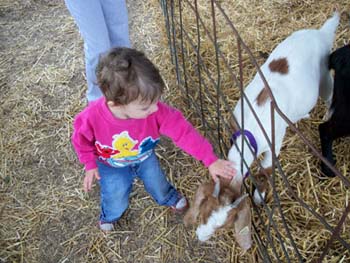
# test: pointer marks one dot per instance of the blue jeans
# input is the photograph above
(102, 24)
(116, 185)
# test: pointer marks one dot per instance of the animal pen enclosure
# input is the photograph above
(305, 217)
(46, 216)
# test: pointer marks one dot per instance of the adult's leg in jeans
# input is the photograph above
(89, 17)
(116, 14)
(155, 182)
(115, 188)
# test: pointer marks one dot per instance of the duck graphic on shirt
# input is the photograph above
(122, 152)
(124, 144)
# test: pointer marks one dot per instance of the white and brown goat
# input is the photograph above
(297, 73)
(221, 205)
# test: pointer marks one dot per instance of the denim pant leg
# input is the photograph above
(116, 16)
(155, 182)
(89, 16)
(115, 188)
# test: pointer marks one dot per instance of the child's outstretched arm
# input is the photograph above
(174, 125)
(222, 168)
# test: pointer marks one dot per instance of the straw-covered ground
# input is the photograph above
(44, 214)
(262, 25)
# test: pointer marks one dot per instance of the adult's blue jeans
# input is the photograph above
(116, 185)
(102, 24)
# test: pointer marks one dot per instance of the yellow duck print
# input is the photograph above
(124, 144)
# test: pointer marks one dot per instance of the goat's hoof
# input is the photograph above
(327, 172)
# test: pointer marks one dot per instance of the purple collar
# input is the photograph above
(251, 140)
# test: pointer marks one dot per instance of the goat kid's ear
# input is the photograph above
(236, 209)
(192, 213)
(216, 188)
(238, 201)
(243, 227)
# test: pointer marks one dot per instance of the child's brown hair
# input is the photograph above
(125, 75)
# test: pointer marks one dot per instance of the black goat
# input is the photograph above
(338, 125)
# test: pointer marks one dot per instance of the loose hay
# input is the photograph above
(45, 216)
(263, 25)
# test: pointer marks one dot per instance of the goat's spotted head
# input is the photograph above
(218, 205)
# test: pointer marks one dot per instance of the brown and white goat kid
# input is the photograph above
(297, 73)
(220, 205)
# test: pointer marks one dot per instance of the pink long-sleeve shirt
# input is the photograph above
(98, 134)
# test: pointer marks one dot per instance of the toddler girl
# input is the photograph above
(115, 136)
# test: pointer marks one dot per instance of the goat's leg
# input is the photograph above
(326, 137)
(326, 88)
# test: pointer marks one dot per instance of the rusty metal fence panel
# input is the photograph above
(201, 81)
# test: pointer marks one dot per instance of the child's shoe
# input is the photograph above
(180, 206)
(106, 227)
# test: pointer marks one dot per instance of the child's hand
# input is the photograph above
(89, 179)
(222, 168)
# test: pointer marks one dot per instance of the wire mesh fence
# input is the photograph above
(212, 65)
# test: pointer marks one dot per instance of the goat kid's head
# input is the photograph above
(219, 205)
